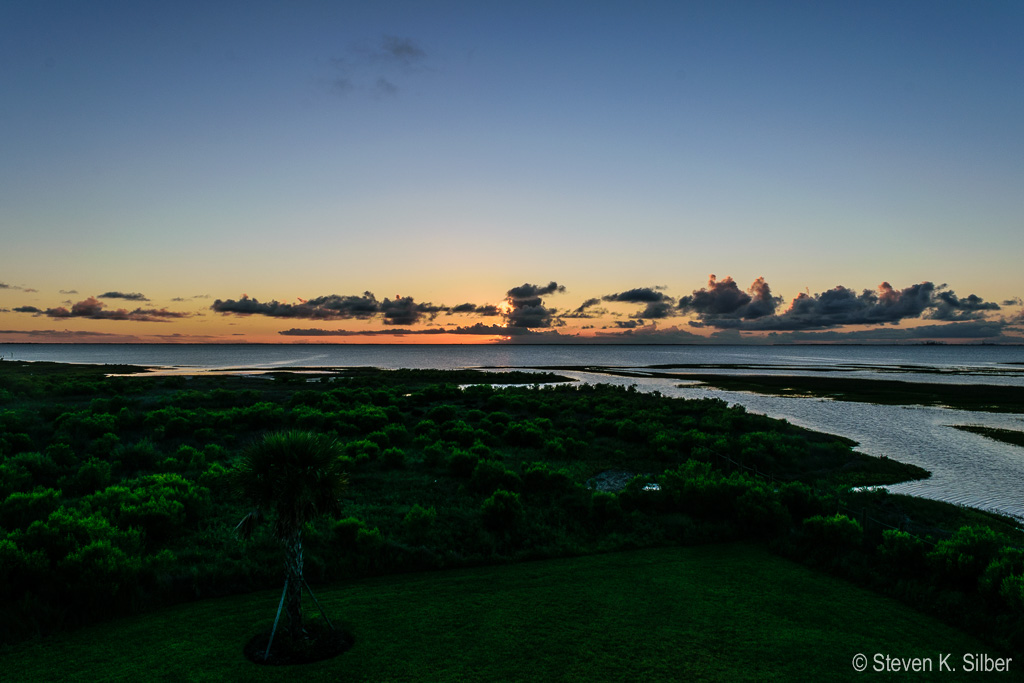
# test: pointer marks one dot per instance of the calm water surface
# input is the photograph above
(966, 468)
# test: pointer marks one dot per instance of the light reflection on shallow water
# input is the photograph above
(967, 469)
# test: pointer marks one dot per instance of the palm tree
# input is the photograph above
(291, 477)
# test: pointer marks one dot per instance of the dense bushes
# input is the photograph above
(114, 499)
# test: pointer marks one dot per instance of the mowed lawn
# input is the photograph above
(719, 612)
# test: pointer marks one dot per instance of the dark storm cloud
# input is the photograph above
(526, 307)
(724, 300)
(948, 306)
(94, 309)
(134, 296)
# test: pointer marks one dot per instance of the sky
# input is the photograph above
(529, 172)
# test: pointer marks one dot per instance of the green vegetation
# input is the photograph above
(717, 612)
(116, 496)
(986, 397)
(293, 477)
(1010, 436)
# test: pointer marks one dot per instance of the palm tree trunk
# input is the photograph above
(293, 574)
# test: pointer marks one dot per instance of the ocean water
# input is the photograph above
(966, 468)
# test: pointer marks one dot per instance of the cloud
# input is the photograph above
(397, 311)
(27, 309)
(68, 291)
(947, 306)
(4, 285)
(1015, 301)
(649, 334)
(722, 300)
(320, 308)
(485, 310)
(67, 334)
(379, 69)
(403, 50)
(525, 305)
(477, 329)
(94, 309)
(974, 329)
(385, 87)
(135, 296)
(405, 311)
(723, 306)
(659, 305)
(640, 295)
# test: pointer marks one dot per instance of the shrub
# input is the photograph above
(1008, 562)
(605, 508)
(540, 478)
(418, 521)
(362, 450)
(759, 511)
(902, 554)
(520, 434)
(502, 512)
(834, 534)
(461, 464)
(21, 508)
(489, 475)
(962, 558)
(346, 532)
(393, 458)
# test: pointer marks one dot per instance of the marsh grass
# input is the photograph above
(1010, 436)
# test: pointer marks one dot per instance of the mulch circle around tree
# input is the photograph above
(319, 644)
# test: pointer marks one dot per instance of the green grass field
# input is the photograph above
(719, 612)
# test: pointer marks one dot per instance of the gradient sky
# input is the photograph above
(170, 171)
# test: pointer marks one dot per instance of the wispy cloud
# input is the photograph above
(379, 68)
